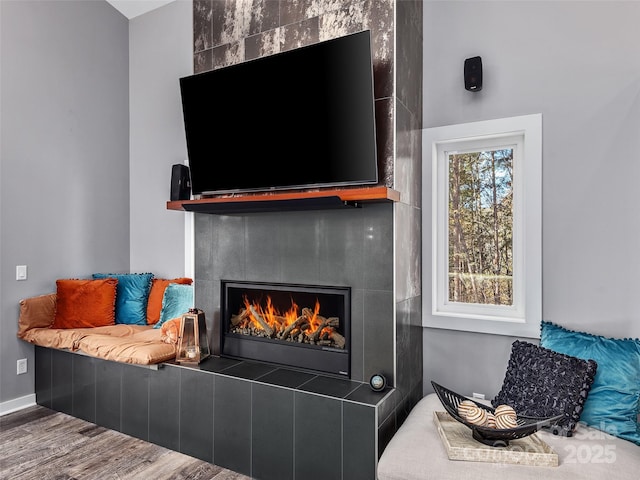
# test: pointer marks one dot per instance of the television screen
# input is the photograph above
(297, 119)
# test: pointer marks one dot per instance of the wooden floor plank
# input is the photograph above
(38, 443)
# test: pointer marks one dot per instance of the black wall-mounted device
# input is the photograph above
(180, 182)
(473, 74)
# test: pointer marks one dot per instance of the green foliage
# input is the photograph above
(481, 227)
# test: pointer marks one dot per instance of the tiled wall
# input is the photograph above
(407, 176)
(360, 248)
(352, 247)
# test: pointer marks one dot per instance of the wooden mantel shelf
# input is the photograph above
(279, 201)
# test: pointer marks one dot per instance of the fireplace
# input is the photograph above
(299, 326)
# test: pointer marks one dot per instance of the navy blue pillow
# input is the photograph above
(540, 382)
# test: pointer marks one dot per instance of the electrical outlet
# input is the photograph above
(22, 366)
(479, 396)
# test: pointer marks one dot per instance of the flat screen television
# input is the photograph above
(292, 120)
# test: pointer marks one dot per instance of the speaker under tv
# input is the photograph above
(301, 118)
(180, 182)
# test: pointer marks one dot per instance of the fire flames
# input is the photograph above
(304, 325)
(274, 318)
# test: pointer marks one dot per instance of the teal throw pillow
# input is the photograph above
(613, 403)
(177, 300)
(132, 295)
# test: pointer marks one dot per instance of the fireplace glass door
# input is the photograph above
(299, 326)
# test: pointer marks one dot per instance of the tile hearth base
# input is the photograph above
(254, 418)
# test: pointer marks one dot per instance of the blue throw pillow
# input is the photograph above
(177, 300)
(132, 295)
(613, 403)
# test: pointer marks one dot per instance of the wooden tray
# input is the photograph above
(460, 445)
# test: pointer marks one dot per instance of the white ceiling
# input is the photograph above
(133, 8)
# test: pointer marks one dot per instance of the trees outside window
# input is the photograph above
(481, 227)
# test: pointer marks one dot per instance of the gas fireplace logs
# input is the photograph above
(309, 327)
(265, 326)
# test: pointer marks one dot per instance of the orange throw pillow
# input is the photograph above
(170, 330)
(154, 304)
(85, 303)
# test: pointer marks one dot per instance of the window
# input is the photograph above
(483, 257)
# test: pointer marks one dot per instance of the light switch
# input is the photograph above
(21, 272)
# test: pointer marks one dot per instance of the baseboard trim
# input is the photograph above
(16, 404)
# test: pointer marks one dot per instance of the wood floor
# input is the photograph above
(38, 443)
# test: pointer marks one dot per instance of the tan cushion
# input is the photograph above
(147, 335)
(127, 349)
(63, 338)
(69, 338)
(118, 330)
(138, 344)
(36, 312)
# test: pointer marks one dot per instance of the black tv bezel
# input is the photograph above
(369, 179)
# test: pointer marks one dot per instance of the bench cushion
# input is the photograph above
(416, 452)
(142, 348)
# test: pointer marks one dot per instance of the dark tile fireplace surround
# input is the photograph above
(375, 250)
(345, 248)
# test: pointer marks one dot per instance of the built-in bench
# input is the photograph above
(254, 418)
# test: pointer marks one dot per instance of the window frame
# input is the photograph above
(523, 317)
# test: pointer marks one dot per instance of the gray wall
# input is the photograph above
(160, 52)
(578, 64)
(91, 124)
(65, 156)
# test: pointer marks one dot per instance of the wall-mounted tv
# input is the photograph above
(296, 119)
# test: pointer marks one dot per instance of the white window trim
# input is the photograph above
(523, 319)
